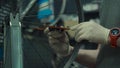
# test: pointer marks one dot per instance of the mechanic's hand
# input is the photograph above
(59, 42)
(91, 31)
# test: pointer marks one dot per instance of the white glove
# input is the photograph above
(91, 31)
(59, 42)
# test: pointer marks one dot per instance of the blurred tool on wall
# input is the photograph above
(45, 11)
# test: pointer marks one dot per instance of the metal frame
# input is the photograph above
(13, 52)
(16, 42)
(29, 6)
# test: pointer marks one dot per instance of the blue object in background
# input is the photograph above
(44, 9)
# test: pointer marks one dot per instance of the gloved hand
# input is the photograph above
(91, 31)
(59, 42)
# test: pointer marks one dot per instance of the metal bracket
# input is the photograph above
(16, 42)
(14, 20)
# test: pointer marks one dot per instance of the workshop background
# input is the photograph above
(36, 50)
